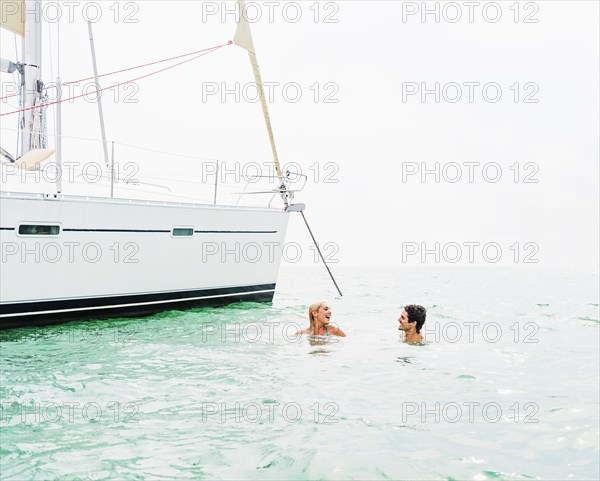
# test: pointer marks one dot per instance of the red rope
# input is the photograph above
(129, 68)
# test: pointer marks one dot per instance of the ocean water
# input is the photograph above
(507, 386)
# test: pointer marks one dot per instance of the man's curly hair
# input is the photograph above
(416, 314)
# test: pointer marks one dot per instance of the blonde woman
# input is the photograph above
(319, 315)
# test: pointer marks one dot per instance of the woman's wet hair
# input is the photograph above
(416, 314)
(313, 307)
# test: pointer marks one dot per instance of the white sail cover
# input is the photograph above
(243, 35)
(12, 16)
(243, 38)
(33, 159)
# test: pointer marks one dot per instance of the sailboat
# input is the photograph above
(75, 257)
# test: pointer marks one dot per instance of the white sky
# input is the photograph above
(364, 61)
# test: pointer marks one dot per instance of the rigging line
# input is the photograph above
(117, 84)
(163, 152)
(137, 147)
(130, 68)
(150, 63)
(16, 48)
(123, 144)
(58, 48)
(54, 114)
(20, 99)
(320, 254)
(19, 120)
(89, 139)
(14, 106)
(50, 54)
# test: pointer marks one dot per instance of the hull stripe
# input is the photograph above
(152, 301)
(148, 303)
(158, 231)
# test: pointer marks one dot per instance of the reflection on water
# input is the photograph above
(323, 342)
(405, 359)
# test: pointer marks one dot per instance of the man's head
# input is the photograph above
(412, 317)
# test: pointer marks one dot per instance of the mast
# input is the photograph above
(32, 70)
(243, 38)
(24, 18)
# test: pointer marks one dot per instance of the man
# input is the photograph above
(411, 321)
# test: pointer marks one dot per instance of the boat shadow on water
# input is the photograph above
(118, 330)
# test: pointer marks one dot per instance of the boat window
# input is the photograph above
(183, 232)
(37, 229)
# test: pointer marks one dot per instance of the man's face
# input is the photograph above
(404, 324)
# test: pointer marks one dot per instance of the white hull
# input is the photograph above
(115, 258)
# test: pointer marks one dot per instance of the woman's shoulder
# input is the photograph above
(337, 331)
(303, 331)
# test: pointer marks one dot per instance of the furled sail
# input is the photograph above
(12, 16)
(243, 38)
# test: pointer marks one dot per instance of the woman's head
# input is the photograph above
(319, 312)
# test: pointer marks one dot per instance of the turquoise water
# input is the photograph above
(506, 388)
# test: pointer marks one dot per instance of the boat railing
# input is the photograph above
(284, 189)
(188, 178)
